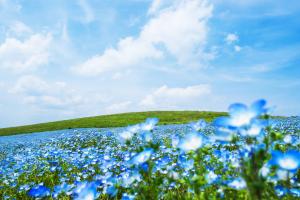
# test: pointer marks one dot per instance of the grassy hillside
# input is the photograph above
(116, 120)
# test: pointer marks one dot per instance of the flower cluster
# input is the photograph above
(246, 155)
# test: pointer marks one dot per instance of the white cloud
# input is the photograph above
(118, 107)
(237, 48)
(19, 56)
(179, 30)
(30, 85)
(38, 92)
(154, 6)
(183, 98)
(231, 38)
(19, 28)
(88, 12)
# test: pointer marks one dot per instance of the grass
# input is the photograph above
(115, 120)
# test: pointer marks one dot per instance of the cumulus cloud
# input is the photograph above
(36, 91)
(31, 53)
(231, 38)
(18, 28)
(179, 31)
(170, 98)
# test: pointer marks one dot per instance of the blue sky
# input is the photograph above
(64, 59)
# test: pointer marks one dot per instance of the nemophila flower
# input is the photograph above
(295, 192)
(191, 142)
(39, 191)
(145, 167)
(86, 191)
(290, 139)
(284, 174)
(25, 187)
(241, 115)
(223, 134)
(265, 170)
(126, 196)
(255, 129)
(142, 156)
(146, 136)
(130, 177)
(199, 125)
(237, 184)
(184, 163)
(175, 141)
(149, 124)
(281, 191)
(111, 191)
(125, 136)
(211, 177)
(64, 187)
(134, 128)
(289, 160)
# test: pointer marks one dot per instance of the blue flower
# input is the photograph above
(126, 196)
(211, 177)
(142, 156)
(39, 191)
(241, 115)
(185, 163)
(130, 178)
(146, 136)
(222, 134)
(237, 184)
(175, 141)
(281, 191)
(149, 124)
(134, 128)
(290, 139)
(191, 142)
(86, 191)
(199, 125)
(125, 136)
(64, 187)
(111, 191)
(255, 129)
(295, 192)
(145, 167)
(287, 161)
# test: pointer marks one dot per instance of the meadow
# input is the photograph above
(116, 120)
(244, 154)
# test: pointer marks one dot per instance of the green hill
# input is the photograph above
(115, 120)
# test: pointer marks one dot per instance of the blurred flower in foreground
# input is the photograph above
(125, 136)
(256, 128)
(86, 191)
(149, 124)
(142, 156)
(237, 184)
(289, 160)
(199, 125)
(191, 141)
(241, 115)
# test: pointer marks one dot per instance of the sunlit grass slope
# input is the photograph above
(116, 120)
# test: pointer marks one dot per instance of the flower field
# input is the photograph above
(246, 155)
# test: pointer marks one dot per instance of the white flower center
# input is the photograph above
(288, 163)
